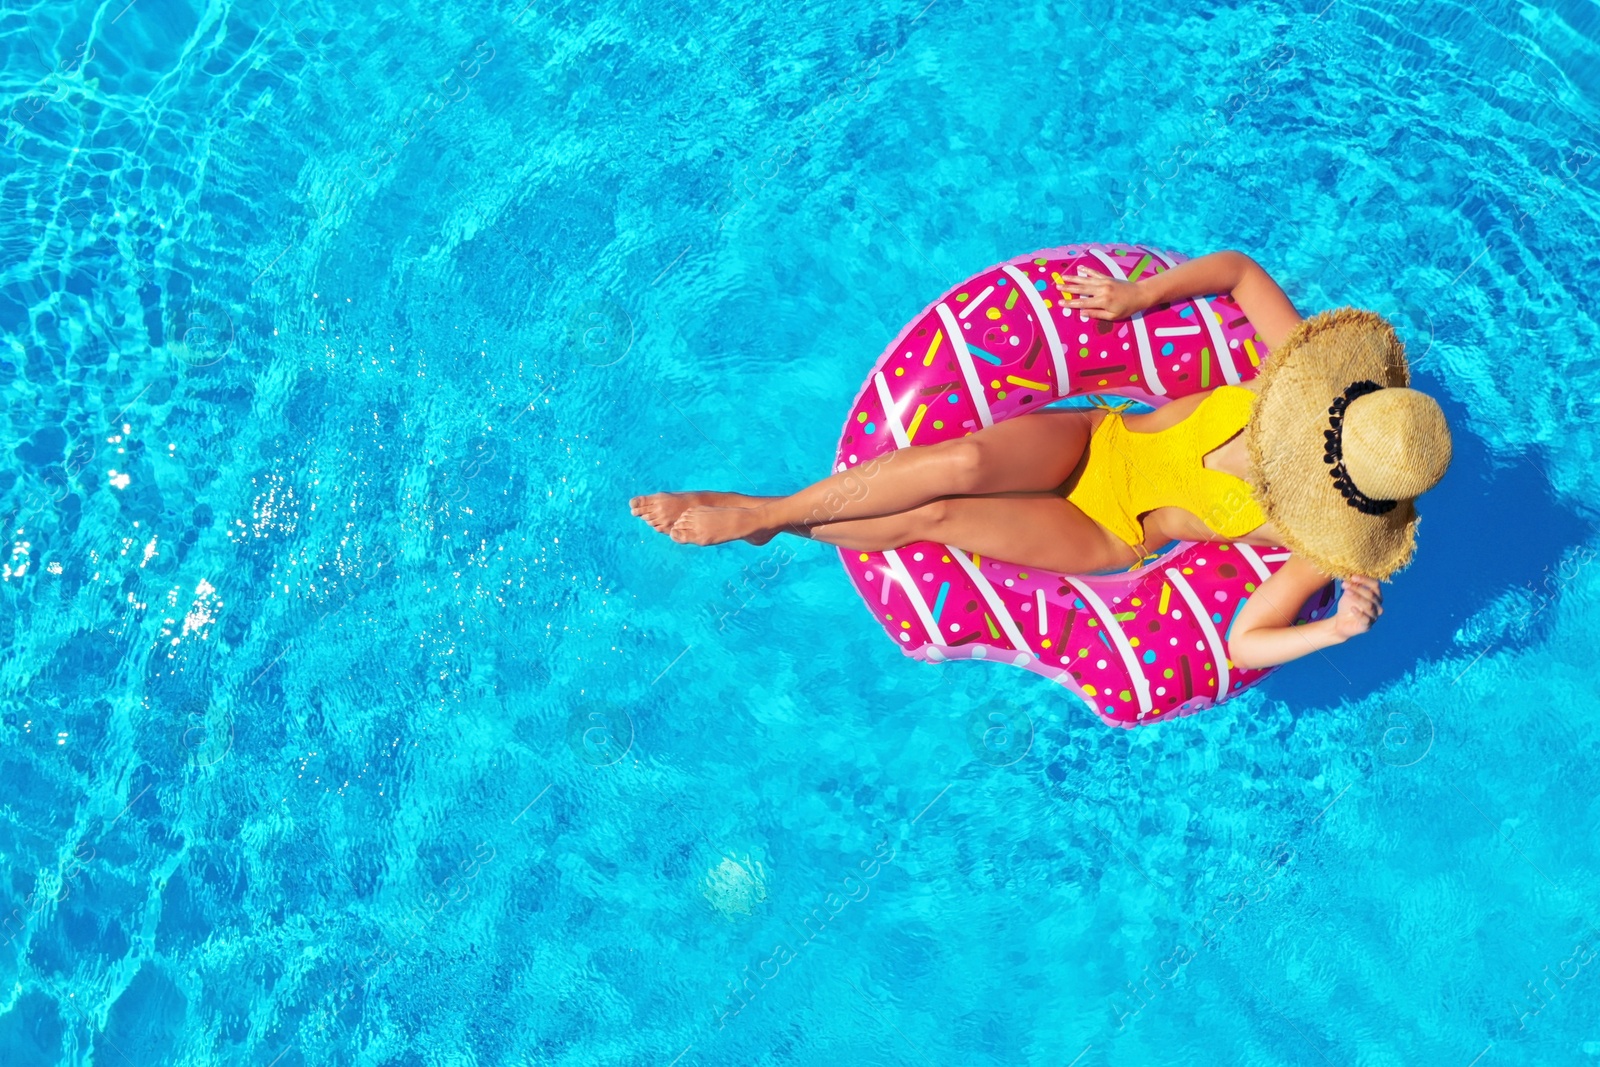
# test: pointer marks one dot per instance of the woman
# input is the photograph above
(1323, 452)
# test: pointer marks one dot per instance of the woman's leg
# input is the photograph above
(1034, 453)
(661, 510)
(1031, 529)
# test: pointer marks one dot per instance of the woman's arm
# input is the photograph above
(1264, 634)
(1258, 296)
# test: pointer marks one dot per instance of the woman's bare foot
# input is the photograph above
(701, 525)
(661, 510)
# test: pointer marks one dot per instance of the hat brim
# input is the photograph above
(1321, 357)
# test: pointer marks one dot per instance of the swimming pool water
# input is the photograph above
(349, 717)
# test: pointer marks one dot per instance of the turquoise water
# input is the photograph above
(349, 717)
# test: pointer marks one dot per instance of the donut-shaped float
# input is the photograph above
(1138, 646)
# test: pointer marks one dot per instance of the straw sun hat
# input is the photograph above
(1341, 446)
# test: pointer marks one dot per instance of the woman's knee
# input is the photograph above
(964, 461)
(932, 521)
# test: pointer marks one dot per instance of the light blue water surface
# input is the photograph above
(349, 718)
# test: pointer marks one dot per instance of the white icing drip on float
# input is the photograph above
(1141, 332)
(1254, 560)
(1058, 354)
(1219, 654)
(1230, 373)
(913, 594)
(891, 414)
(968, 371)
(1113, 630)
(1218, 343)
(980, 298)
(1002, 616)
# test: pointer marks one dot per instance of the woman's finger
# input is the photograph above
(1361, 604)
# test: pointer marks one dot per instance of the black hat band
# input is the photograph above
(1333, 451)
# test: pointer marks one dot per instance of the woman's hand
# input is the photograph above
(1265, 632)
(1359, 607)
(1101, 296)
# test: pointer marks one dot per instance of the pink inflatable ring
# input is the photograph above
(1136, 646)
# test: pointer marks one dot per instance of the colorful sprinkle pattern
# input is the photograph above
(1145, 645)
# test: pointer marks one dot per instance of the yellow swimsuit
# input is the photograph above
(1129, 474)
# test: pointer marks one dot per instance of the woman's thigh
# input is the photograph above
(1034, 453)
(1039, 530)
